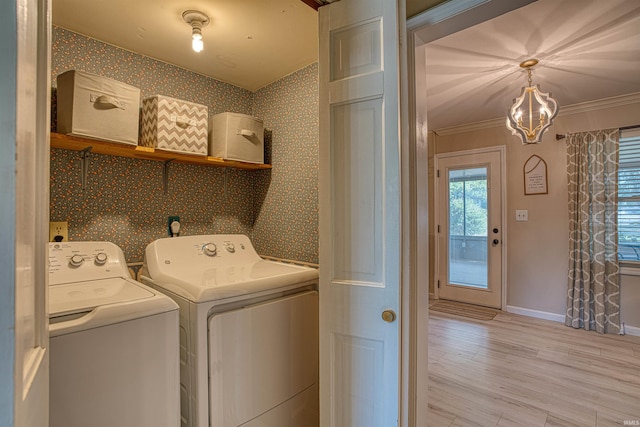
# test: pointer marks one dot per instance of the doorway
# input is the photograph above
(470, 226)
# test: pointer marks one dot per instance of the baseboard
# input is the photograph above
(535, 313)
(632, 330)
(628, 330)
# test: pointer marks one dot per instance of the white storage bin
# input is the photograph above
(174, 125)
(234, 136)
(97, 107)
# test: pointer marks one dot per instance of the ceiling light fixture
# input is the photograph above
(532, 112)
(197, 20)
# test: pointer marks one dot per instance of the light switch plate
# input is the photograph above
(58, 231)
(522, 215)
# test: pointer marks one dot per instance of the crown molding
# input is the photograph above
(582, 107)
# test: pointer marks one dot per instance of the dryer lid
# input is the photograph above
(83, 296)
(218, 266)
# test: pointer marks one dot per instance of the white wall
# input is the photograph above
(537, 250)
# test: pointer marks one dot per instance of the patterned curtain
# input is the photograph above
(593, 298)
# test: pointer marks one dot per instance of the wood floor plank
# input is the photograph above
(610, 419)
(555, 420)
(439, 417)
(516, 370)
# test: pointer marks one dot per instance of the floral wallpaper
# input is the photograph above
(286, 206)
(124, 201)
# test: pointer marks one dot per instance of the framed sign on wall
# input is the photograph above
(535, 176)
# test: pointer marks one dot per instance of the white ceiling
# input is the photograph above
(248, 43)
(588, 50)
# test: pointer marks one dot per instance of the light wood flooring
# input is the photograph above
(521, 371)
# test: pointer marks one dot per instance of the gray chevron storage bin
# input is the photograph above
(97, 107)
(174, 125)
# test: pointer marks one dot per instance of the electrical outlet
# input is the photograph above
(170, 220)
(522, 215)
(58, 231)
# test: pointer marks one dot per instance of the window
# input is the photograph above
(629, 196)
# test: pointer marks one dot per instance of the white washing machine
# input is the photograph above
(113, 342)
(248, 332)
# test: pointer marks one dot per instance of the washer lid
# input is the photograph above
(83, 296)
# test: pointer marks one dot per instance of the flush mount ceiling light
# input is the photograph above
(532, 112)
(197, 20)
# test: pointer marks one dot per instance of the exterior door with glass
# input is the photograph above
(470, 227)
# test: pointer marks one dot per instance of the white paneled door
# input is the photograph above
(359, 214)
(31, 371)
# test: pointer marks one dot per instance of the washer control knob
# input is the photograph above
(101, 258)
(76, 260)
(210, 249)
(230, 248)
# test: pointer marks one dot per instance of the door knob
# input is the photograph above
(495, 231)
(388, 316)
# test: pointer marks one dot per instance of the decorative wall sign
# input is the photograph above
(535, 176)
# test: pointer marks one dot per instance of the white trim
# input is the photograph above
(599, 104)
(535, 313)
(441, 12)
(436, 221)
(415, 202)
(630, 271)
(471, 152)
(632, 330)
(628, 330)
(453, 16)
(504, 222)
(582, 107)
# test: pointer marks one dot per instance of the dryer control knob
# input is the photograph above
(76, 260)
(101, 258)
(230, 248)
(210, 249)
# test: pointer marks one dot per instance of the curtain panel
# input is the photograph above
(593, 298)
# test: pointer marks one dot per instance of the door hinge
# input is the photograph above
(438, 228)
(438, 173)
(438, 284)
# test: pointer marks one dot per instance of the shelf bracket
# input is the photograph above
(165, 175)
(84, 165)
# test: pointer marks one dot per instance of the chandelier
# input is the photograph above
(532, 112)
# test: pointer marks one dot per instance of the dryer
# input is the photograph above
(113, 342)
(248, 331)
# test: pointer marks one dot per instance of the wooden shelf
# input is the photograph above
(68, 142)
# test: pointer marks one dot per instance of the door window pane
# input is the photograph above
(468, 195)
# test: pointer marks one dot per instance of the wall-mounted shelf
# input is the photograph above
(68, 142)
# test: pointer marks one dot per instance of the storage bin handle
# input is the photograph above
(250, 135)
(106, 100)
(183, 123)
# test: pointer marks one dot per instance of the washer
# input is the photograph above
(248, 331)
(113, 341)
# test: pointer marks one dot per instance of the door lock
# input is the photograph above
(495, 242)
